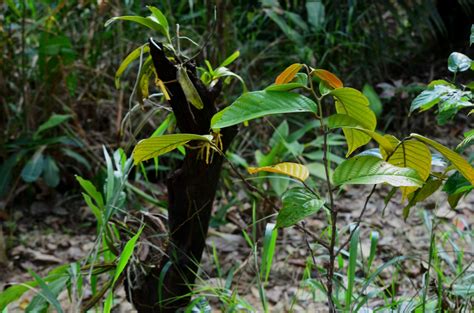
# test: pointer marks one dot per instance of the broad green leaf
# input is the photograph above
(256, 104)
(145, 21)
(412, 154)
(369, 170)
(53, 121)
(425, 100)
(50, 172)
(374, 100)
(353, 103)
(329, 78)
(189, 89)
(346, 122)
(135, 54)
(298, 203)
(458, 62)
(288, 74)
(458, 162)
(152, 147)
(230, 59)
(34, 167)
(456, 183)
(295, 170)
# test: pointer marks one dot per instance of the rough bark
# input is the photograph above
(191, 191)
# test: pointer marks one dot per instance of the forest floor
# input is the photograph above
(50, 235)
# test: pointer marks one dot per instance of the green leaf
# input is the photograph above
(421, 194)
(230, 59)
(458, 162)
(456, 183)
(125, 255)
(269, 243)
(467, 141)
(285, 87)
(145, 21)
(316, 13)
(425, 100)
(351, 270)
(298, 203)
(352, 102)
(47, 293)
(458, 62)
(156, 146)
(346, 122)
(50, 172)
(374, 100)
(471, 38)
(53, 121)
(34, 167)
(371, 170)
(40, 303)
(256, 104)
(90, 189)
(135, 54)
(161, 19)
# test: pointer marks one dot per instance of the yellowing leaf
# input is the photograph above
(412, 154)
(288, 74)
(458, 162)
(190, 91)
(329, 78)
(295, 170)
(135, 54)
(152, 147)
(352, 102)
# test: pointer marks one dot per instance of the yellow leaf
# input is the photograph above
(458, 162)
(155, 146)
(329, 78)
(295, 170)
(288, 74)
(412, 154)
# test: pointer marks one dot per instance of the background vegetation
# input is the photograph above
(60, 107)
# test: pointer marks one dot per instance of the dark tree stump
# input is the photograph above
(191, 191)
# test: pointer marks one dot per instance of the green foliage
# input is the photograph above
(298, 204)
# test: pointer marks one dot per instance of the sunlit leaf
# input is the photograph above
(284, 87)
(152, 147)
(230, 59)
(256, 104)
(372, 170)
(288, 74)
(298, 203)
(353, 103)
(328, 77)
(458, 162)
(160, 18)
(412, 154)
(346, 122)
(295, 170)
(145, 21)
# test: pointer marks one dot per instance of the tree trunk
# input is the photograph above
(191, 191)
